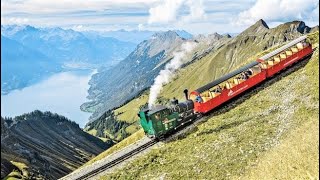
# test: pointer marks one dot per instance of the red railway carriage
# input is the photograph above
(225, 88)
(285, 56)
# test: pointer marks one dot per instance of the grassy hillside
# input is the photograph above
(228, 54)
(295, 158)
(247, 136)
(124, 143)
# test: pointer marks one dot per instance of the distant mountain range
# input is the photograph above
(134, 36)
(30, 53)
(22, 65)
(68, 45)
(50, 145)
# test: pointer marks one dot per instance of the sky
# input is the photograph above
(194, 16)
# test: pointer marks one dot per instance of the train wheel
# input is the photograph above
(151, 136)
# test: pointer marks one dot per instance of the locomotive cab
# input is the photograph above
(158, 121)
(145, 122)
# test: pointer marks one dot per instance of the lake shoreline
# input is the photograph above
(61, 93)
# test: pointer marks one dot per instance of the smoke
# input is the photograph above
(169, 71)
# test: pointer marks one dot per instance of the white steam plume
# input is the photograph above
(168, 72)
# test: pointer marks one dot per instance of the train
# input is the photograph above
(160, 120)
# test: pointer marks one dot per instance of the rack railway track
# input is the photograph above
(117, 160)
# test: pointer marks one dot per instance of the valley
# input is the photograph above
(62, 93)
(32, 54)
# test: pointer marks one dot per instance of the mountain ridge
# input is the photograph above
(133, 72)
(49, 144)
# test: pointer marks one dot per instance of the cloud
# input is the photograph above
(140, 27)
(78, 28)
(279, 11)
(54, 6)
(315, 13)
(165, 12)
(194, 16)
(168, 11)
(14, 20)
(197, 11)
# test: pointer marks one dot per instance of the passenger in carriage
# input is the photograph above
(199, 99)
(250, 72)
(244, 76)
(218, 89)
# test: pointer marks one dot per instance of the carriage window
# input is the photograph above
(216, 89)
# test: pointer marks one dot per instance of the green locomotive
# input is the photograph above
(162, 120)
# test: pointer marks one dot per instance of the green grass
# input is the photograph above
(295, 158)
(130, 110)
(20, 173)
(227, 55)
(129, 140)
(92, 132)
(236, 137)
(15, 174)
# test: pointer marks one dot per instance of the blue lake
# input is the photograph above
(61, 93)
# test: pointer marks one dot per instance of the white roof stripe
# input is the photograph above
(277, 51)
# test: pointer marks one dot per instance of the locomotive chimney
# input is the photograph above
(186, 93)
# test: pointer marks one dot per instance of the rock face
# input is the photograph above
(49, 144)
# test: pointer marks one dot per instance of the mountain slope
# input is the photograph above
(49, 144)
(217, 56)
(228, 143)
(114, 86)
(239, 51)
(138, 70)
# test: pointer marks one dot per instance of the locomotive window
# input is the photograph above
(165, 113)
(157, 116)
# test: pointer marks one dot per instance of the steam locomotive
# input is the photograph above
(161, 120)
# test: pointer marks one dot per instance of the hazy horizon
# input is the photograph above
(196, 17)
